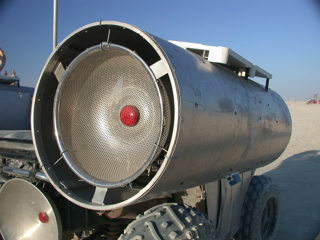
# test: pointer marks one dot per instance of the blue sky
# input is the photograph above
(281, 36)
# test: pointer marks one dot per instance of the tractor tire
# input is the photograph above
(170, 221)
(260, 212)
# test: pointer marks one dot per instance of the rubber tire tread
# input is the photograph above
(261, 189)
(170, 221)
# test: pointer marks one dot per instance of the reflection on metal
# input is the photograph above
(16, 171)
(24, 173)
(42, 176)
(19, 196)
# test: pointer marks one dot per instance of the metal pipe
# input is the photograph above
(55, 14)
(24, 173)
(16, 171)
(42, 176)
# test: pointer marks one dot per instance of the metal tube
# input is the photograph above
(24, 173)
(42, 176)
(55, 14)
(16, 171)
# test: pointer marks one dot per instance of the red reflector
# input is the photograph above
(43, 217)
(129, 115)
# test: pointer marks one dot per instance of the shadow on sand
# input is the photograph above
(298, 178)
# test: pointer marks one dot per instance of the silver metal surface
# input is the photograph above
(20, 204)
(16, 171)
(24, 173)
(42, 176)
(218, 124)
(228, 125)
(55, 23)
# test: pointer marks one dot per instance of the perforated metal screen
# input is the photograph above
(91, 93)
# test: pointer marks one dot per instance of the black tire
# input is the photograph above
(260, 212)
(170, 221)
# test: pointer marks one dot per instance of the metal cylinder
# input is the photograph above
(197, 122)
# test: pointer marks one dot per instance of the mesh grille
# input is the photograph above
(89, 100)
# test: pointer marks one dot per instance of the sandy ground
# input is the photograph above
(297, 172)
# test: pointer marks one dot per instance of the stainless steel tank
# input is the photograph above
(121, 116)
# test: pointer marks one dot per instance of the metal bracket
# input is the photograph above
(99, 195)
(267, 85)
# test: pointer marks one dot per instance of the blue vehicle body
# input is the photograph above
(15, 104)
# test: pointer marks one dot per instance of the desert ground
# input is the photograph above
(297, 173)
